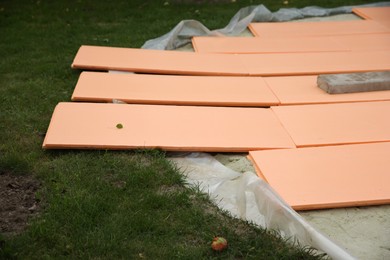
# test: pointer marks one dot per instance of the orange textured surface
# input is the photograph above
(289, 64)
(328, 177)
(323, 28)
(385, 23)
(299, 90)
(278, 64)
(264, 45)
(352, 42)
(365, 42)
(156, 61)
(175, 128)
(333, 124)
(373, 13)
(174, 90)
(378, 14)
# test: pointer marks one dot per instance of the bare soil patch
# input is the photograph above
(17, 202)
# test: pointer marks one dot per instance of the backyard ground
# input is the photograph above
(102, 204)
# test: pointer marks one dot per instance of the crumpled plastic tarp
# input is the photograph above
(182, 33)
(248, 197)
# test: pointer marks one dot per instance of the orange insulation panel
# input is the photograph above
(373, 13)
(156, 61)
(328, 177)
(172, 128)
(174, 90)
(294, 64)
(278, 64)
(335, 124)
(378, 14)
(265, 45)
(300, 90)
(323, 28)
(337, 43)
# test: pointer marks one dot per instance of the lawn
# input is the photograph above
(103, 204)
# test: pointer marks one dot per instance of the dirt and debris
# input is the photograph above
(18, 202)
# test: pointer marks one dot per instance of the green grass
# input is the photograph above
(119, 205)
(106, 204)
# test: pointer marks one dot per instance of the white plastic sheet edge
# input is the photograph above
(247, 197)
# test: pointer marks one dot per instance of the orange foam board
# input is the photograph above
(173, 90)
(328, 177)
(172, 128)
(335, 124)
(373, 13)
(385, 23)
(378, 14)
(265, 45)
(156, 61)
(300, 90)
(323, 28)
(289, 64)
(276, 64)
(365, 42)
(352, 42)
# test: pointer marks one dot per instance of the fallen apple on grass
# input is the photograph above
(219, 244)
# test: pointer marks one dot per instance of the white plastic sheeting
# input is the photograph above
(182, 33)
(248, 197)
